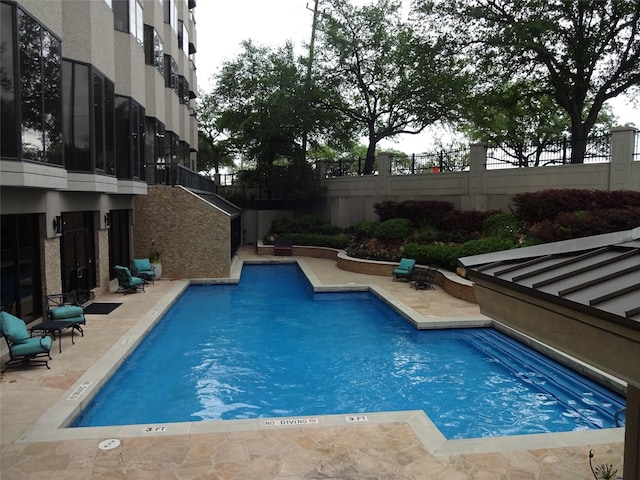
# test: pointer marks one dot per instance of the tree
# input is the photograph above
(379, 75)
(582, 53)
(214, 150)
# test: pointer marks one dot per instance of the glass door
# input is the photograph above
(78, 257)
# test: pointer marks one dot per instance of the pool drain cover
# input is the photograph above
(109, 444)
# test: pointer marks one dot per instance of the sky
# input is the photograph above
(223, 24)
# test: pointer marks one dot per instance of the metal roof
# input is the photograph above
(599, 274)
(223, 204)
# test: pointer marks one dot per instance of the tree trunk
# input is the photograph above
(371, 158)
(578, 141)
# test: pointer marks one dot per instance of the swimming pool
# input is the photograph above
(270, 347)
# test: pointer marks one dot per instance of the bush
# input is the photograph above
(585, 223)
(443, 255)
(532, 207)
(462, 226)
(417, 212)
(393, 229)
(501, 225)
(365, 229)
(303, 224)
(485, 245)
(317, 240)
(425, 234)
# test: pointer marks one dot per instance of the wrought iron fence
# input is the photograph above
(345, 167)
(597, 150)
(432, 162)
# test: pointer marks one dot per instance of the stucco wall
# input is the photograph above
(194, 236)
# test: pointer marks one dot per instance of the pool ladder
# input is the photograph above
(616, 418)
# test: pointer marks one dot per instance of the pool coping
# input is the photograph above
(52, 425)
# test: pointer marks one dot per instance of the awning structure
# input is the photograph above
(579, 296)
(593, 276)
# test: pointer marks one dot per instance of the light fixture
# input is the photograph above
(107, 219)
(57, 224)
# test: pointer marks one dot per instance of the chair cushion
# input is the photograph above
(142, 265)
(31, 346)
(67, 311)
(135, 281)
(13, 328)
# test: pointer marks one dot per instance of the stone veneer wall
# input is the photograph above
(52, 280)
(194, 236)
(102, 263)
(450, 282)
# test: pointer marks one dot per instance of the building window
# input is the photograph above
(130, 132)
(183, 37)
(31, 89)
(171, 14)
(153, 49)
(154, 155)
(128, 17)
(171, 74)
(8, 115)
(183, 90)
(88, 116)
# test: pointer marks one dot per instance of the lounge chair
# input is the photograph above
(127, 283)
(22, 347)
(142, 268)
(423, 277)
(404, 269)
(64, 307)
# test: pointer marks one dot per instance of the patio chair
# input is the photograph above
(142, 268)
(404, 269)
(423, 277)
(22, 347)
(64, 307)
(127, 283)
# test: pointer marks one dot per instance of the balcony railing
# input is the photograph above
(173, 174)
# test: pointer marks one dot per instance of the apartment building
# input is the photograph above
(97, 104)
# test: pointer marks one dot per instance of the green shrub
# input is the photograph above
(532, 207)
(419, 212)
(502, 225)
(443, 255)
(317, 240)
(462, 225)
(425, 234)
(365, 229)
(578, 224)
(393, 229)
(485, 245)
(303, 224)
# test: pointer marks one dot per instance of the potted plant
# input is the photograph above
(154, 257)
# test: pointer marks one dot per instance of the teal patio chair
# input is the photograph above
(142, 268)
(127, 283)
(64, 307)
(22, 347)
(403, 270)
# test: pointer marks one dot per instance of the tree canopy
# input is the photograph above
(580, 53)
(379, 75)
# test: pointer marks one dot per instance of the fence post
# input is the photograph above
(476, 198)
(621, 176)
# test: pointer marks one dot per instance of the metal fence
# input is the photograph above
(345, 167)
(174, 174)
(432, 162)
(636, 147)
(598, 150)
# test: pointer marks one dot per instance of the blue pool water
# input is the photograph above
(270, 347)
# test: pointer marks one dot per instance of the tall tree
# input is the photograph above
(214, 149)
(381, 77)
(583, 52)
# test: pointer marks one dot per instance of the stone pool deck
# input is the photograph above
(401, 446)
